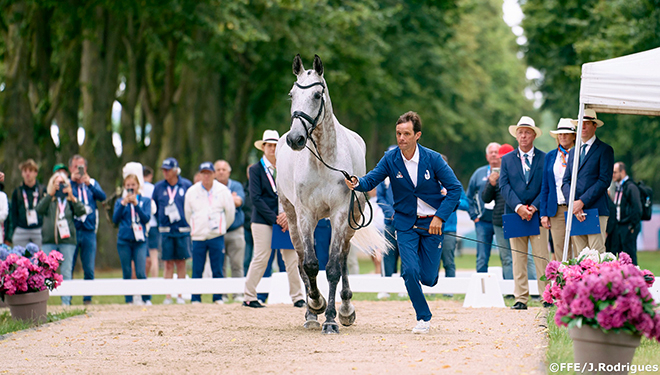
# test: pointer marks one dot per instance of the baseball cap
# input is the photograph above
(505, 149)
(206, 166)
(170, 163)
(60, 166)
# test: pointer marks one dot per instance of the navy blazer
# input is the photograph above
(512, 180)
(264, 199)
(549, 187)
(432, 171)
(593, 178)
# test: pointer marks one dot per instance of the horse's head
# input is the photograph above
(308, 102)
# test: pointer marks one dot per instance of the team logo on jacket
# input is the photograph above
(399, 175)
(427, 175)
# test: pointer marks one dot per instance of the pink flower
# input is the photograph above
(624, 258)
(551, 270)
(582, 306)
(649, 278)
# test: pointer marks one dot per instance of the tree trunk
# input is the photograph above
(17, 121)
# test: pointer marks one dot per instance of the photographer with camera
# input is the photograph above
(58, 208)
(132, 214)
(88, 191)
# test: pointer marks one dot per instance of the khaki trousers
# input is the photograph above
(592, 241)
(558, 231)
(235, 252)
(539, 249)
(262, 235)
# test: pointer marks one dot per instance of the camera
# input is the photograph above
(81, 170)
(130, 191)
(496, 170)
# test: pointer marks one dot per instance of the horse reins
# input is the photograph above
(485, 243)
(353, 222)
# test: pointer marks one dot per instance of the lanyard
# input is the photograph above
(563, 153)
(270, 176)
(61, 206)
(172, 193)
(82, 194)
(25, 200)
(134, 217)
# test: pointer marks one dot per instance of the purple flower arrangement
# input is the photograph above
(600, 291)
(27, 270)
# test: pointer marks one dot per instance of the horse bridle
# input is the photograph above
(302, 115)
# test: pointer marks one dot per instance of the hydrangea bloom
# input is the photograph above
(603, 292)
(21, 274)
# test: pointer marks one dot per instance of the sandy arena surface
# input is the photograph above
(231, 339)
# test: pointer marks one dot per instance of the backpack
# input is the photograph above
(646, 196)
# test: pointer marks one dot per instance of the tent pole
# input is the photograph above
(571, 199)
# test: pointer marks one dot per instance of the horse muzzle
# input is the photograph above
(296, 142)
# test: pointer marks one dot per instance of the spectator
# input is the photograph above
(594, 176)
(491, 193)
(264, 215)
(88, 191)
(132, 214)
(26, 223)
(247, 212)
(58, 208)
(449, 240)
(169, 195)
(153, 237)
(60, 167)
(480, 212)
(210, 210)
(628, 205)
(553, 202)
(520, 183)
(235, 236)
(4, 208)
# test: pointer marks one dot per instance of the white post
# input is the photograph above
(576, 164)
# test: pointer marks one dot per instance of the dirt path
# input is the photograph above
(231, 339)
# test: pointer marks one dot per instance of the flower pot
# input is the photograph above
(593, 346)
(29, 306)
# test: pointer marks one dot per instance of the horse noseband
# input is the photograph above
(302, 115)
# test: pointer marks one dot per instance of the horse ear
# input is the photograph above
(297, 65)
(318, 65)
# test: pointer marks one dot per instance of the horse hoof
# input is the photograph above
(330, 328)
(312, 324)
(317, 308)
(346, 319)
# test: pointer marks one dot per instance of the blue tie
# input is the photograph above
(528, 170)
(583, 153)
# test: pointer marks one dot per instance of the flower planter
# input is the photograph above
(593, 346)
(29, 306)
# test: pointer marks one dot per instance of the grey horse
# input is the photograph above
(309, 191)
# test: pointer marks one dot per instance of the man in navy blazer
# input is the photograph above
(417, 175)
(520, 183)
(594, 176)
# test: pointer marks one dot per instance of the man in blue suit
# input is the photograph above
(594, 176)
(417, 175)
(520, 184)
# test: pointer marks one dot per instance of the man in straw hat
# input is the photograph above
(266, 213)
(520, 184)
(553, 202)
(594, 176)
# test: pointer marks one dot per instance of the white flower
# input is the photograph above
(607, 257)
(588, 253)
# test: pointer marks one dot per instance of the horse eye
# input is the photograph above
(317, 95)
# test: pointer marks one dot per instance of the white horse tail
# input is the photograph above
(371, 241)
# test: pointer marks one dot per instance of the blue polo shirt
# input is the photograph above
(88, 195)
(162, 198)
(239, 219)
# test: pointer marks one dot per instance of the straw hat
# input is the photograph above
(565, 126)
(525, 122)
(590, 115)
(270, 136)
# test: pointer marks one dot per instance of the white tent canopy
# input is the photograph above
(628, 84)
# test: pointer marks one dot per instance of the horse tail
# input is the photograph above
(371, 241)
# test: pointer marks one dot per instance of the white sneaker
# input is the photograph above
(167, 301)
(219, 302)
(180, 301)
(239, 298)
(194, 303)
(148, 303)
(422, 327)
(138, 302)
(383, 295)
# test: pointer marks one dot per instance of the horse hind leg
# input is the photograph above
(346, 310)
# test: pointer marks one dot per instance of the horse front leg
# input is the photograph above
(333, 270)
(346, 310)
